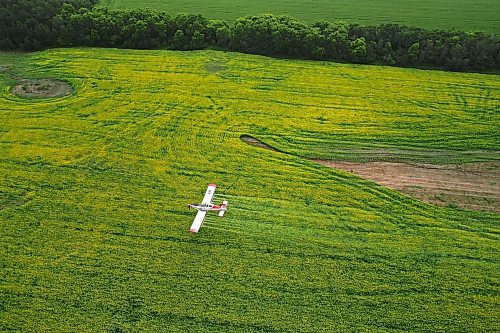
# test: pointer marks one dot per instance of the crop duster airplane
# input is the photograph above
(205, 206)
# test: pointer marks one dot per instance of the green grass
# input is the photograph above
(93, 188)
(464, 15)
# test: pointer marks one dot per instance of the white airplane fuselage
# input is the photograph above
(207, 207)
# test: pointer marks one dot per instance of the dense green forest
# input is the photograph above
(33, 25)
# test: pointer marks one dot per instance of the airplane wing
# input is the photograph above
(198, 221)
(209, 194)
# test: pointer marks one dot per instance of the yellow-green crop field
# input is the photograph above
(94, 186)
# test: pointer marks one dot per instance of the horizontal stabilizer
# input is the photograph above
(224, 208)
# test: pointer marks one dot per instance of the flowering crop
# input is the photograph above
(93, 188)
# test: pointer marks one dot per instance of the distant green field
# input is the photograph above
(94, 186)
(464, 15)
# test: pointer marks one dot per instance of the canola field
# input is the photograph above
(464, 15)
(94, 186)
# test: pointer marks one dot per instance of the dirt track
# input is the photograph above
(471, 186)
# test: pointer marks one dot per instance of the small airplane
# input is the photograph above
(205, 206)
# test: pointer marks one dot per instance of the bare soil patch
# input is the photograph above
(255, 142)
(42, 88)
(4, 68)
(14, 203)
(473, 186)
(214, 67)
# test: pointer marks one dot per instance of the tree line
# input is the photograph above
(37, 24)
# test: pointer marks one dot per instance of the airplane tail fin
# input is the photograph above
(224, 208)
